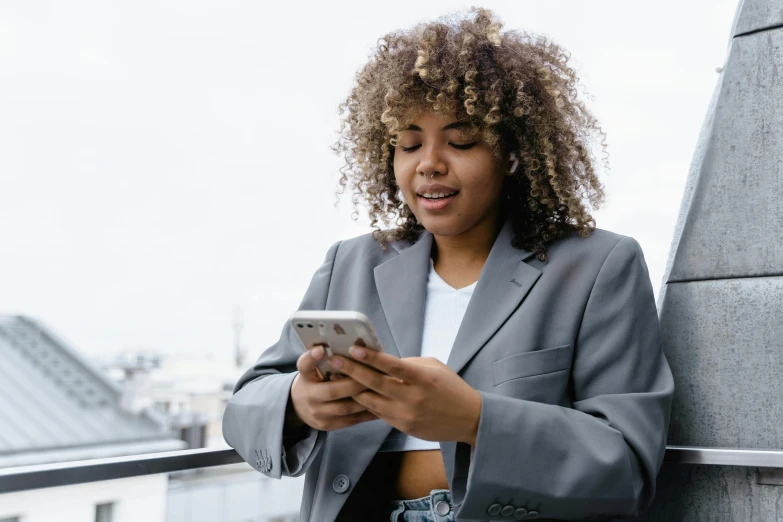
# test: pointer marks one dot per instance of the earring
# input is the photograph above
(515, 160)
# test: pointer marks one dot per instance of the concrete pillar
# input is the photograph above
(721, 304)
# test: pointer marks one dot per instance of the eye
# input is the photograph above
(460, 147)
(463, 147)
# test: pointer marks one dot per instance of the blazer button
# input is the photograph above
(341, 483)
(494, 509)
(507, 510)
(520, 513)
(532, 514)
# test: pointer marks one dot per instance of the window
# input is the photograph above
(195, 435)
(103, 512)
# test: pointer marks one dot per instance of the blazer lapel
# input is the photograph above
(402, 285)
(504, 282)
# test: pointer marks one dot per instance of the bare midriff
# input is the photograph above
(411, 474)
(420, 472)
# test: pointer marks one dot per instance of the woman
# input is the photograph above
(521, 375)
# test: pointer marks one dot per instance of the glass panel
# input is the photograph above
(233, 493)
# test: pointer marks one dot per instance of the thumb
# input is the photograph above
(308, 361)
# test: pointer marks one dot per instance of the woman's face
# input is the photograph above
(432, 160)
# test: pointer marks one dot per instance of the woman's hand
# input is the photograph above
(419, 396)
(329, 405)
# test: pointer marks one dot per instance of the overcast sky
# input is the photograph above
(163, 163)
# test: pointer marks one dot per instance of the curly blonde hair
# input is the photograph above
(517, 92)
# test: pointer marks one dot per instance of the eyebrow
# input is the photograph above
(459, 124)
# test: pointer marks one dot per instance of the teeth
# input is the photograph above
(436, 195)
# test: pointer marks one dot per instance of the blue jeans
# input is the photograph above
(436, 507)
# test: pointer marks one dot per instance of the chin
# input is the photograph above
(442, 227)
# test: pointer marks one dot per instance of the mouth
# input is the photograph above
(435, 196)
(436, 201)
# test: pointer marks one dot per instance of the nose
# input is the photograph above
(431, 162)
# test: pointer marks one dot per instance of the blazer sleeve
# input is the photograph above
(255, 414)
(601, 457)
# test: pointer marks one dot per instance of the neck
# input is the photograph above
(469, 249)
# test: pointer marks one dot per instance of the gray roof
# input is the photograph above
(55, 405)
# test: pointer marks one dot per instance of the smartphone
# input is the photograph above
(336, 331)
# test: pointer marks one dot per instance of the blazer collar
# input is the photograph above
(402, 285)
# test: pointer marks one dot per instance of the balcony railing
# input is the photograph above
(23, 478)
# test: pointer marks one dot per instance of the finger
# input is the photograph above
(350, 420)
(375, 403)
(339, 389)
(368, 376)
(308, 361)
(384, 362)
(341, 408)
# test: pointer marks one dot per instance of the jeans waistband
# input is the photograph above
(438, 505)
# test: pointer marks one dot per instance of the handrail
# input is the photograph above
(23, 478)
(751, 458)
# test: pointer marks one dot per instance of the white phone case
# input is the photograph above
(337, 330)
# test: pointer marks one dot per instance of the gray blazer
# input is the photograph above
(576, 391)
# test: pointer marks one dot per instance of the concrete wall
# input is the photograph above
(721, 305)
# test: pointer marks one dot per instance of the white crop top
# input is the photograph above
(444, 308)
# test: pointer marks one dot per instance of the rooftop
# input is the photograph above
(56, 406)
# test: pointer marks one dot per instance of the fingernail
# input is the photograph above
(357, 352)
(316, 352)
(337, 363)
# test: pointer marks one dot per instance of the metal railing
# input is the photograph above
(23, 478)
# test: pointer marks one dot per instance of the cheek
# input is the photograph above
(488, 186)
(403, 174)
(398, 166)
(496, 180)
(400, 180)
(403, 188)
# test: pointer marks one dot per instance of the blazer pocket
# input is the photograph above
(528, 364)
